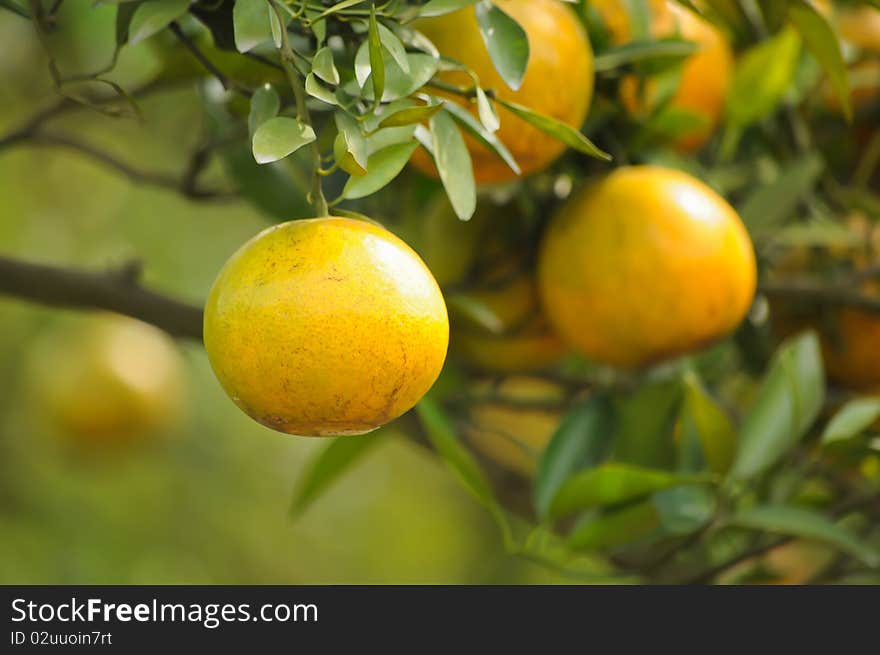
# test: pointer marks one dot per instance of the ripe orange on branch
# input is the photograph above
(705, 75)
(558, 81)
(646, 264)
(324, 327)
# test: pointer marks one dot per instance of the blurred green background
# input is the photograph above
(210, 503)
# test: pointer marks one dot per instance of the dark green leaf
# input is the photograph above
(639, 51)
(615, 528)
(706, 423)
(612, 484)
(582, 441)
(787, 404)
(683, 510)
(823, 43)
(377, 63)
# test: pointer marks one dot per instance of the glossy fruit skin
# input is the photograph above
(705, 77)
(558, 81)
(109, 380)
(515, 429)
(325, 327)
(646, 264)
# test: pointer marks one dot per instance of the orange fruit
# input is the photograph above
(705, 75)
(324, 327)
(514, 427)
(109, 379)
(558, 81)
(646, 264)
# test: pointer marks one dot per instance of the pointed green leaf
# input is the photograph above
(486, 110)
(382, 167)
(581, 441)
(330, 465)
(476, 129)
(787, 404)
(454, 165)
(557, 129)
(440, 7)
(506, 41)
(324, 67)
(265, 104)
(612, 484)
(350, 146)
(615, 528)
(280, 136)
(250, 22)
(152, 17)
(852, 420)
(822, 42)
(703, 420)
(410, 116)
(394, 47)
(798, 522)
(377, 63)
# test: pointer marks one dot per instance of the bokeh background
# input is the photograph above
(209, 503)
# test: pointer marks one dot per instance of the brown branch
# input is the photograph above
(822, 294)
(114, 290)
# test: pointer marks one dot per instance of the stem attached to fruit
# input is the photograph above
(287, 58)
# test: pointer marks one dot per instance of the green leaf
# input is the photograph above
(410, 115)
(441, 434)
(763, 75)
(250, 22)
(639, 51)
(506, 41)
(852, 420)
(769, 205)
(454, 165)
(153, 17)
(557, 129)
(823, 43)
(612, 484)
(317, 90)
(487, 113)
(265, 104)
(382, 167)
(394, 47)
(397, 83)
(324, 67)
(683, 510)
(582, 441)
(124, 14)
(615, 528)
(704, 422)
(787, 404)
(329, 466)
(798, 522)
(476, 129)
(377, 63)
(440, 7)
(350, 146)
(646, 419)
(280, 136)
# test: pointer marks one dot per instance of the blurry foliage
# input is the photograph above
(700, 469)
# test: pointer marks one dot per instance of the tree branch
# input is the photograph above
(822, 294)
(113, 290)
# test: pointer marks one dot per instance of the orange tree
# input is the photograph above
(651, 222)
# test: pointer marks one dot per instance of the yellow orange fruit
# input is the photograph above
(109, 379)
(860, 26)
(646, 264)
(515, 425)
(515, 336)
(558, 81)
(705, 75)
(329, 326)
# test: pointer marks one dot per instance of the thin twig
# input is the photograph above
(229, 85)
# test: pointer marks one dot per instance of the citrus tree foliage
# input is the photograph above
(688, 472)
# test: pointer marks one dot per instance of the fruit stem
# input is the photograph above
(316, 197)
